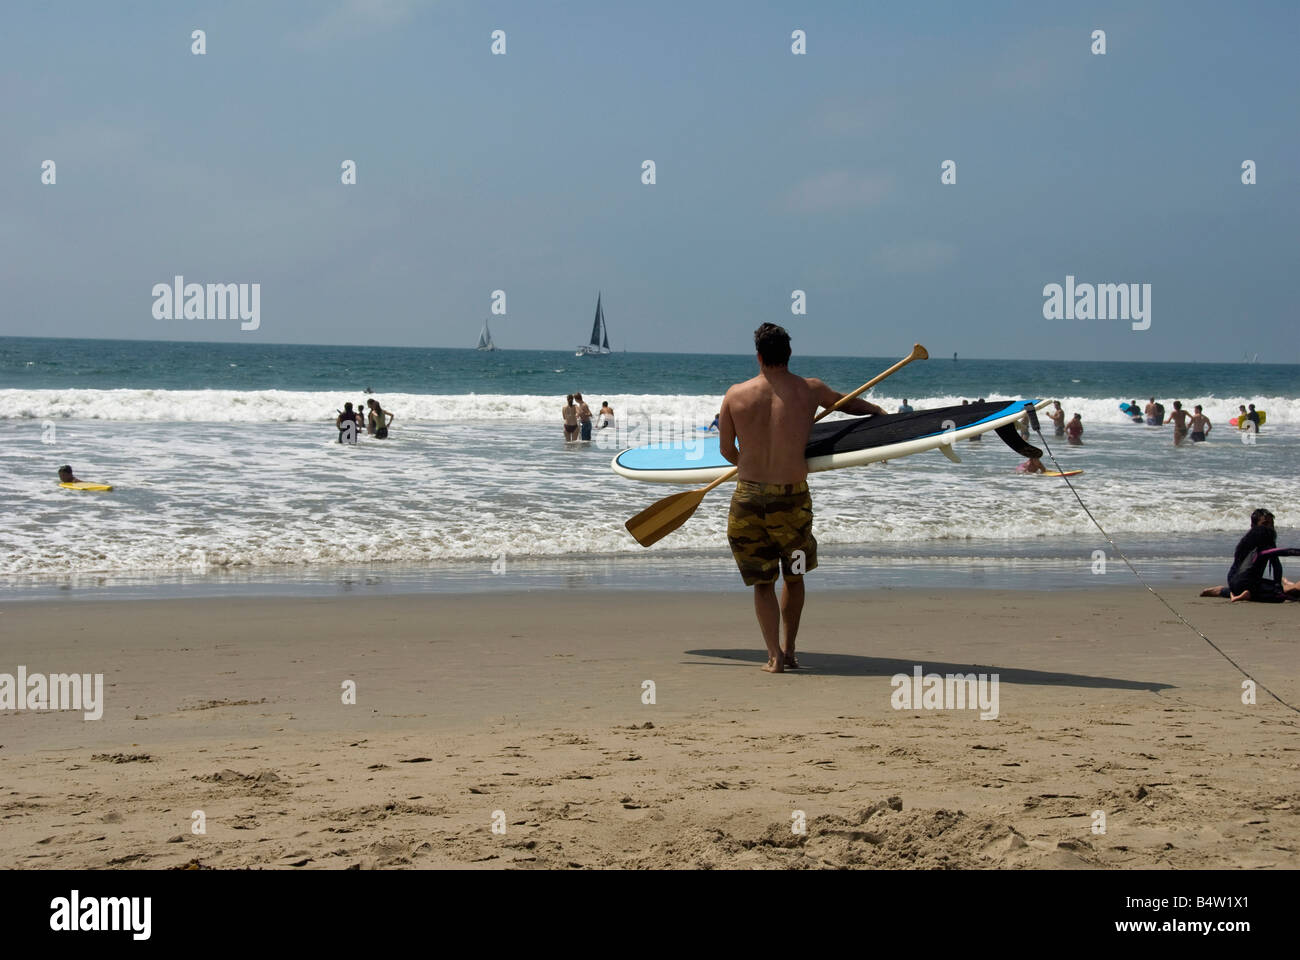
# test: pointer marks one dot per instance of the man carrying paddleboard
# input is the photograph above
(770, 523)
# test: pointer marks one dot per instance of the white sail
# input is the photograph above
(485, 339)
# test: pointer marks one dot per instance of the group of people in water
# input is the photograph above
(1194, 426)
(376, 425)
(577, 417)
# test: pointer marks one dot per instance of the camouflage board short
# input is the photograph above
(770, 531)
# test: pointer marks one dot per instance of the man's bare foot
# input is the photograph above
(1244, 595)
(774, 665)
(790, 662)
(1212, 592)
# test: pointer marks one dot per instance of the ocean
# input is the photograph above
(228, 474)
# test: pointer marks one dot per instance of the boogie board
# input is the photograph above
(1243, 424)
(1132, 412)
(83, 485)
(1058, 473)
(834, 444)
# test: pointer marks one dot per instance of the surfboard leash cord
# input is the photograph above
(1033, 421)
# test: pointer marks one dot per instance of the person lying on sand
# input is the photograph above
(770, 523)
(1246, 579)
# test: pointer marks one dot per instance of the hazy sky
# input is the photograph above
(775, 172)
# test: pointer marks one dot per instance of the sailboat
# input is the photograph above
(485, 339)
(599, 345)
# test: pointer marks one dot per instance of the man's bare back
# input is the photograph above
(772, 415)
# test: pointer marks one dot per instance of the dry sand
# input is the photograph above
(531, 704)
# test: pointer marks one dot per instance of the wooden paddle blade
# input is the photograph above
(919, 352)
(664, 516)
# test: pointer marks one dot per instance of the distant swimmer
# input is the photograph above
(1149, 410)
(1200, 425)
(380, 420)
(770, 524)
(1253, 417)
(714, 424)
(1074, 430)
(346, 416)
(1057, 416)
(605, 418)
(1179, 418)
(584, 417)
(65, 475)
(1246, 579)
(1134, 415)
(904, 408)
(1032, 465)
(569, 413)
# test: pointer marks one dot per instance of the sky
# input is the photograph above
(774, 172)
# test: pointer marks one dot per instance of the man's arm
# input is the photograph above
(727, 432)
(826, 397)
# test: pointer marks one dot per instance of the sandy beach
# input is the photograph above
(531, 704)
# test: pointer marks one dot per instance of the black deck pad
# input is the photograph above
(863, 433)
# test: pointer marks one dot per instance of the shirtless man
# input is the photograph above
(1179, 419)
(1057, 416)
(1200, 425)
(770, 524)
(584, 417)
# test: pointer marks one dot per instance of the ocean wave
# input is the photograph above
(287, 406)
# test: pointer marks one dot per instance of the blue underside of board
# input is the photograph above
(704, 453)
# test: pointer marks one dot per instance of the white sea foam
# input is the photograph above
(285, 406)
(204, 495)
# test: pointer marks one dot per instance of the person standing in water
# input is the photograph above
(584, 417)
(1074, 431)
(1057, 416)
(770, 523)
(380, 420)
(1178, 418)
(605, 416)
(569, 413)
(1200, 425)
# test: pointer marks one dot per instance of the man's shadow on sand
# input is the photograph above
(850, 665)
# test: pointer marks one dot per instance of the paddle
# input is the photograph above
(664, 516)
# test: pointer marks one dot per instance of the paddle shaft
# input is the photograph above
(918, 353)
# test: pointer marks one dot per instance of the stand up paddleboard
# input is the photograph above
(835, 444)
(83, 485)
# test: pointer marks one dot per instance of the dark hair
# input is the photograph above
(1259, 516)
(68, 469)
(347, 405)
(772, 344)
(570, 399)
(577, 396)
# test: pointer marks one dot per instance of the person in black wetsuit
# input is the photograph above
(1246, 579)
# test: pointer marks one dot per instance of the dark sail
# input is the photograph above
(595, 327)
(604, 329)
